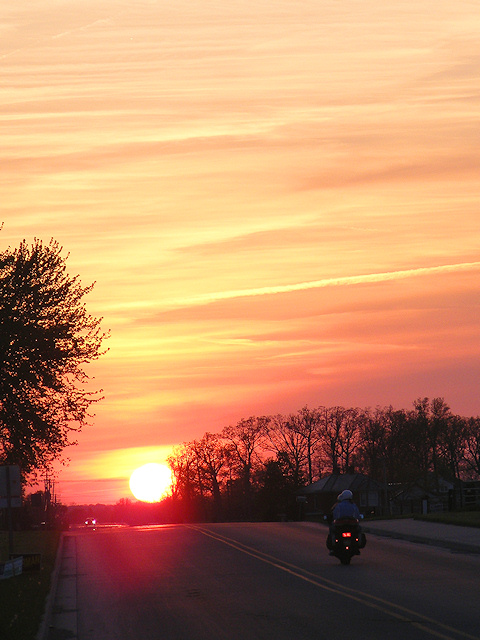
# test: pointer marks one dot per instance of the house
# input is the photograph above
(470, 494)
(320, 496)
(423, 495)
(434, 493)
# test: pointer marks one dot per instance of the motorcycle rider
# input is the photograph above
(343, 508)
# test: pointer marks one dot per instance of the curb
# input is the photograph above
(60, 620)
(47, 616)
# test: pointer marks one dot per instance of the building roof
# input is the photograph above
(336, 483)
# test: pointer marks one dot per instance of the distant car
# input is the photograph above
(90, 522)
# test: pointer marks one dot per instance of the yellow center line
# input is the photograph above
(329, 585)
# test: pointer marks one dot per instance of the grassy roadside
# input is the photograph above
(23, 597)
(461, 518)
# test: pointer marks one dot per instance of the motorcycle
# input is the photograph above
(345, 539)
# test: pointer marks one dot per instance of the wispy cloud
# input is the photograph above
(343, 281)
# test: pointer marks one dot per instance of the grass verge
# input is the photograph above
(461, 518)
(23, 597)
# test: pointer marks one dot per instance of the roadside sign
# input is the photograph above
(11, 568)
(10, 486)
(31, 561)
(10, 496)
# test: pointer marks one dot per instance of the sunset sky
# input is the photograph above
(278, 202)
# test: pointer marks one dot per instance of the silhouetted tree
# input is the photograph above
(418, 437)
(46, 339)
(212, 457)
(330, 425)
(374, 435)
(307, 423)
(187, 491)
(401, 464)
(431, 421)
(452, 447)
(283, 438)
(276, 492)
(472, 453)
(339, 437)
(350, 439)
(244, 441)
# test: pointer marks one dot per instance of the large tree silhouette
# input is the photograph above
(46, 339)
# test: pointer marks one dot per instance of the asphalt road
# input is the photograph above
(268, 581)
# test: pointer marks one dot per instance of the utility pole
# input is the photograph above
(49, 485)
(9, 513)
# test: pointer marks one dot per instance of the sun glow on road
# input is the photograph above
(151, 482)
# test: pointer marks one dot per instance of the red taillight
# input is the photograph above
(346, 534)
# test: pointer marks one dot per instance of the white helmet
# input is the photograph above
(345, 495)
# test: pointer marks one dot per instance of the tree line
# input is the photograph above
(253, 468)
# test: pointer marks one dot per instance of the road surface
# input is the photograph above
(267, 581)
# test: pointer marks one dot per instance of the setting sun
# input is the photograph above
(151, 482)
